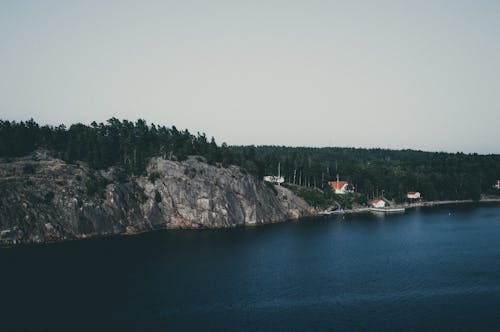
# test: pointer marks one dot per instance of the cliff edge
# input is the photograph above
(43, 199)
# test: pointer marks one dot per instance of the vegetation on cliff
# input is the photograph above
(61, 201)
(114, 143)
(326, 198)
(374, 172)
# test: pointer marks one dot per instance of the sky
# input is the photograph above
(393, 74)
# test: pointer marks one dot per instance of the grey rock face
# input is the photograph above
(44, 199)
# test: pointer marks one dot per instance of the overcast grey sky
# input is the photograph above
(396, 74)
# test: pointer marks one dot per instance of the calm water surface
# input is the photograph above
(427, 269)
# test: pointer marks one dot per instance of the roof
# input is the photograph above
(376, 200)
(412, 192)
(340, 185)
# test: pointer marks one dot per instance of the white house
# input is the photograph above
(377, 203)
(497, 186)
(413, 195)
(274, 179)
(341, 187)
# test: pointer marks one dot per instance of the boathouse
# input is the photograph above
(377, 203)
(413, 195)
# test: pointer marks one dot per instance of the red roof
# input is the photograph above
(376, 200)
(340, 185)
(411, 193)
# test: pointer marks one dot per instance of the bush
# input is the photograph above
(153, 176)
(29, 168)
(191, 172)
(48, 197)
(314, 197)
(320, 198)
(141, 196)
(96, 185)
(120, 175)
(157, 197)
(362, 200)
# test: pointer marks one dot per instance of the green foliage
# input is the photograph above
(271, 186)
(250, 167)
(374, 172)
(345, 201)
(120, 175)
(139, 194)
(323, 198)
(362, 200)
(114, 143)
(437, 175)
(190, 172)
(157, 197)
(96, 185)
(48, 197)
(312, 196)
(18, 139)
(153, 176)
(29, 168)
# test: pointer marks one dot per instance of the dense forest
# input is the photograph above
(374, 172)
(102, 145)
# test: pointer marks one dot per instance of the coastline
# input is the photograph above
(317, 214)
(421, 204)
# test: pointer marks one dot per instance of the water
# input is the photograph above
(428, 269)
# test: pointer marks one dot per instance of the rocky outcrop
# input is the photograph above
(44, 199)
(296, 206)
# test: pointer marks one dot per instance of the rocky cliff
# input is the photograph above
(44, 199)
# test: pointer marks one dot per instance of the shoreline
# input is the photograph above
(416, 205)
(318, 214)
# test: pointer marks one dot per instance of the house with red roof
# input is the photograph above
(341, 187)
(377, 203)
(413, 195)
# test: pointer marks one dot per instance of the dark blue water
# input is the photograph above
(430, 269)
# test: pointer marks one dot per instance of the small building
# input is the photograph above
(413, 195)
(274, 179)
(341, 187)
(497, 186)
(377, 203)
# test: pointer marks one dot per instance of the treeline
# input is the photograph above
(101, 145)
(374, 172)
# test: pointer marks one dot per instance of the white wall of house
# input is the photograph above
(342, 190)
(274, 179)
(377, 203)
(413, 195)
(345, 189)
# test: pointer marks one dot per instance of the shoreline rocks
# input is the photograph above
(43, 199)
